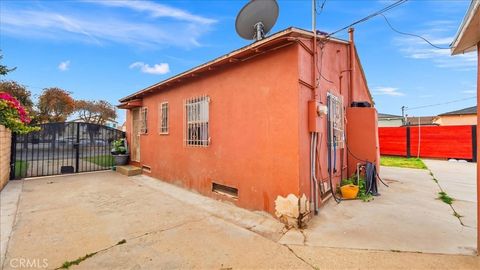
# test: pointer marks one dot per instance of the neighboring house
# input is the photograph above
(466, 116)
(112, 123)
(109, 123)
(389, 120)
(421, 120)
(241, 127)
(466, 40)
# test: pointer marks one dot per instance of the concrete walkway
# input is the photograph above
(66, 217)
(458, 180)
(406, 217)
(143, 223)
(9, 198)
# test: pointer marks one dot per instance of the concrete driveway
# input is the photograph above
(143, 223)
(406, 217)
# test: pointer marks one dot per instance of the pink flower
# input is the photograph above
(15, 104)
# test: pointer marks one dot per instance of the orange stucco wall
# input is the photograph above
(362, 137)
(253, 123)
(335, 69)
(260, 142)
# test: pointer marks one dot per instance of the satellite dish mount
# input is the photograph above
(259, 34)
(256, 19)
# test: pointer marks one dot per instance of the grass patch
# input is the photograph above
(68, 264)
(402, 162)
(20, 169)
(102, 160)
(457, 215)
(445, 198)
(121, 242)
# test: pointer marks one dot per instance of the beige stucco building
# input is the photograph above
(389, 120)
(467, 116)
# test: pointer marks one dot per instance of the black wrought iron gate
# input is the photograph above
(63, 148)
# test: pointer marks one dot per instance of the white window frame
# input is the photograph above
(163, 118)
(197, 122)
(144, 120)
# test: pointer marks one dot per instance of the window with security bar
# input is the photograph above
(336, 117)
(143, 120)
(197, 121)
(163, 112)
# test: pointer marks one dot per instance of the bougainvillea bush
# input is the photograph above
(13, 115)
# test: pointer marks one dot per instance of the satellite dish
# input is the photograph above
(256, 19)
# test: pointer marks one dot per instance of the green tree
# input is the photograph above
(4, 70)
(55, 105)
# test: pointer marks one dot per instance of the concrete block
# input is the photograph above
(129, 170)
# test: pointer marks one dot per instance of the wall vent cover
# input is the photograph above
(146, 168)
(225, 190)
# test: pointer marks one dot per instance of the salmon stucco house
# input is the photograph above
(261, 126)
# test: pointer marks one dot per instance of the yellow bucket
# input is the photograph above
(349, 191)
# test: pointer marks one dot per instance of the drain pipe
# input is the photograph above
(314, 169)
(352, 65)
(313, 134)
(312, 184)
(352, 74)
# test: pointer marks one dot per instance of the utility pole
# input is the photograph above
(314, 19)
(404, 120)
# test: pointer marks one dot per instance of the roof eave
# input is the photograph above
(468, 35)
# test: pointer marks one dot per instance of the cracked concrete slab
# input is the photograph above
(219, 246)
(259, 222)
(406, 217)
(458, 180)
(334, 258)
(64, 218)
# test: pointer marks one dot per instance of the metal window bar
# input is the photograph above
(163, 118)
(143, 115)
(197, 121)
(337, 119)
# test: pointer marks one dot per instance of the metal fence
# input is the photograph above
(60, 148)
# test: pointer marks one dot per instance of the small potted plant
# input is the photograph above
(119, 152)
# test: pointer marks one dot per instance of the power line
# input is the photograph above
(438, 104)
(413, 35)
(385, 9)
(319, 69)
(321, 8)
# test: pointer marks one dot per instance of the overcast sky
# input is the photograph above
(108, 49)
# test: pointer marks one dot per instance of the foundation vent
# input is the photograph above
(225, 190)
(146, 168)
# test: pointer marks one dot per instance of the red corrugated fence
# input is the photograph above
(435, 141)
